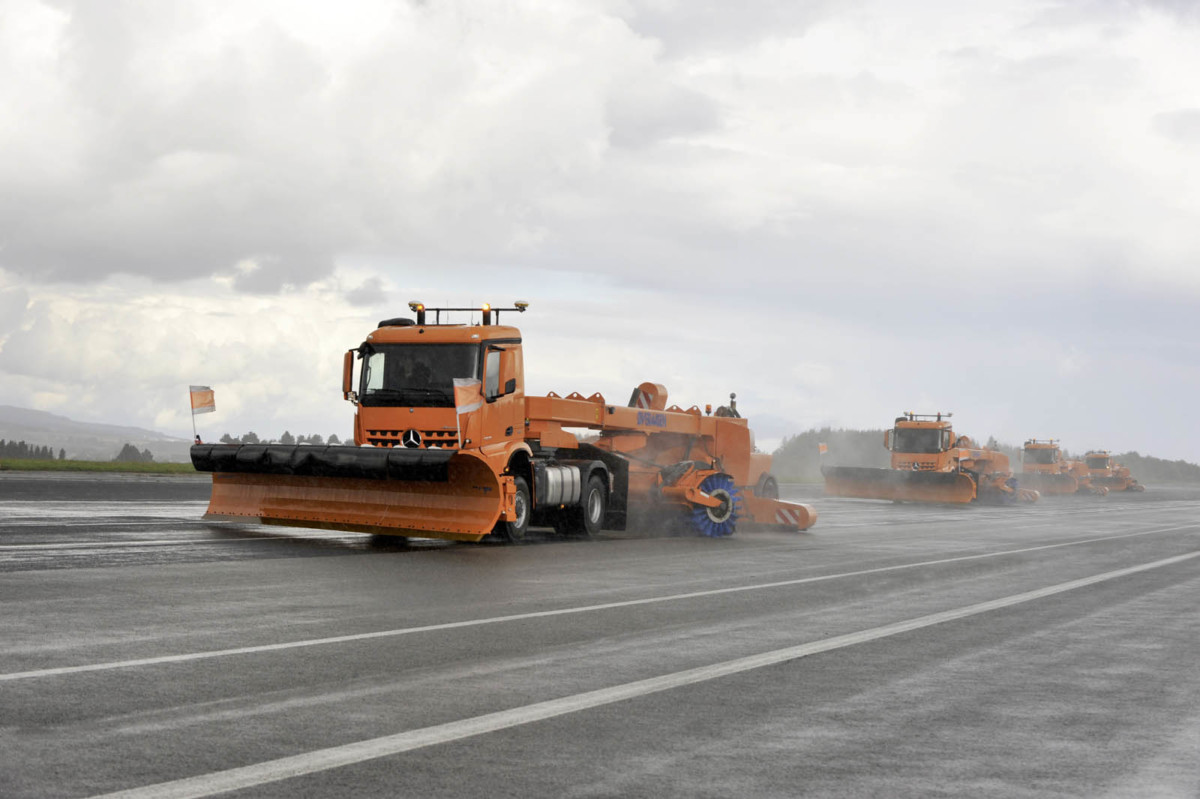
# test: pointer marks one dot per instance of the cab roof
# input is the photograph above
(442, 334)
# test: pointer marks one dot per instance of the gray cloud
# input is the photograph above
(193, 156)
(369, 293)
(1182, 126)
(643, 114)
(13, 304)
(697, 26)
(1183, 10)
(176, 176)
(840, 209)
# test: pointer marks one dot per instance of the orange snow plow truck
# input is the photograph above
(1044, 468)
(1106, 472)
(448, 446)
(930, 464)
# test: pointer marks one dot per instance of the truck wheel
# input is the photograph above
(585, 520)
(767, 488)
(514, 531)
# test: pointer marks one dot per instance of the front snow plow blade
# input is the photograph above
(1049, 483)
(1115, 483)
(425, 493)
(898, 485)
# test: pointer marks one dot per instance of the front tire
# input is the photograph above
(514, 531)
(767, 488)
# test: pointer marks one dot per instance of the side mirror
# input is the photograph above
(887, 439)
(348, 375)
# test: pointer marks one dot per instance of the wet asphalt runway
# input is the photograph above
(893, 650)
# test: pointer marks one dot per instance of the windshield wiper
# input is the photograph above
(407, 392)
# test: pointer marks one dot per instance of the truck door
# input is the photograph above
(503, 394)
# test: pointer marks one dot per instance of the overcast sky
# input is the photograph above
(838, 210)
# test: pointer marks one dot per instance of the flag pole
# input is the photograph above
(192, 413)
(204, 405)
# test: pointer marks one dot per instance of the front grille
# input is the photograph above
(430, 439)
(917, 466)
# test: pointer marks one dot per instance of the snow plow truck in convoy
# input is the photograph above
(1044, 468)
(1106, 472)
(447, 445)
(930, 463)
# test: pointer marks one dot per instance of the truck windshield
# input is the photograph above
(1097, 463)
(1040, 455)
(918, 441)
(415, 375)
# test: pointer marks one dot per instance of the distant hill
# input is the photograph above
(797, 457)
(86, 440)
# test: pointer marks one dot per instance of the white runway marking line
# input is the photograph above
(152, 543)
(163, 542)
(161, 521)
(542, 614)
(335, 757)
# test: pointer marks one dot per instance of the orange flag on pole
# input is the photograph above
(202, 399)
(468, 397)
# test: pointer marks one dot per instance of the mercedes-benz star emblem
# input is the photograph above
(411, 439)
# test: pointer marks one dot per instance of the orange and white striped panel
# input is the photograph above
(788, 516)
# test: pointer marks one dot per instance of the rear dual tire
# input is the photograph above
(586, 519)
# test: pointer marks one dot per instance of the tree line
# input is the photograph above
(130, 454)
(19, 450)
(1149, 470)
(798, 458)
(316, 439)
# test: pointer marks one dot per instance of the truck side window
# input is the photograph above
(373, 374)
(491, 370)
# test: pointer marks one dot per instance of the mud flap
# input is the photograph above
(898, 485)
(463, 507)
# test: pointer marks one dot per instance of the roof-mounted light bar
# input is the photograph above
(486, 309)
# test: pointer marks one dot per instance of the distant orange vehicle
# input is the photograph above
(449, 446)
(930, 463)
(1106, 472)
(1044, 468)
